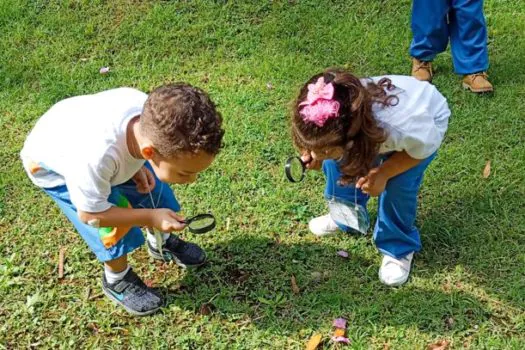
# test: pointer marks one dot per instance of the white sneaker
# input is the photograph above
(394, 272)
(323, 226)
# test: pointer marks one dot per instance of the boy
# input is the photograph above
(100, 157)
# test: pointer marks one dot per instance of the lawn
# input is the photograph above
(468, 284)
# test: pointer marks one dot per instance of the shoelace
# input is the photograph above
(479, 74)
(425, 65)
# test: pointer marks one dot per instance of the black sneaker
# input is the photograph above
(182, 253)
(133, 295)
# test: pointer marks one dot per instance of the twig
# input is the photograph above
(61, 262)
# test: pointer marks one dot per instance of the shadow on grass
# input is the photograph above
(249, 279)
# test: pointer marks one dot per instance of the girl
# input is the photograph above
(379, 135)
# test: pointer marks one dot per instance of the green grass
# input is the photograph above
(472, 268)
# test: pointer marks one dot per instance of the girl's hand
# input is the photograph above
(310, 162)
(145, 180)
(374, 183)
(166, 220)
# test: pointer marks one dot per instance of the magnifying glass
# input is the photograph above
(201, 223)
(295, 169)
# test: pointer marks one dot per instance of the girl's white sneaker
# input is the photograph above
(323, 226)
(394, 272)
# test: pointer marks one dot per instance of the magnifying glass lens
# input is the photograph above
(201, 223)
(294, 169)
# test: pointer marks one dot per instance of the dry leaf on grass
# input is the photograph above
(314, 342)
(205, 309)
(295, 287)
(486, 170)
(440, 345)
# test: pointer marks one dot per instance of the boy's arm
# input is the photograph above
(116, 216)
(164, 220)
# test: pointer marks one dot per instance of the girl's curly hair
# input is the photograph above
(355, 130)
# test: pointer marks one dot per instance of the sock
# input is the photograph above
(113, 277)
(153, 242)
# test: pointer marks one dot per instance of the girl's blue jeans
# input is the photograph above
(395, 233)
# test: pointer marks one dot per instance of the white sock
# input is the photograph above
(113, 277)
(153, 241)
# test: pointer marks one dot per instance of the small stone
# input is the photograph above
(104, 70)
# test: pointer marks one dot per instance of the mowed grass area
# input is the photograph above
(468, 284)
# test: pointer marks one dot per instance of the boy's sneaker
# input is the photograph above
(323, 226)
(182, 253)
(132, 294)
(394, 272)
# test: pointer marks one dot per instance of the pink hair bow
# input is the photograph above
(319, 105)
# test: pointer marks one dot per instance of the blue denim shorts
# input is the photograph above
(163, 197)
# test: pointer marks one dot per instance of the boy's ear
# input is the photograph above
(147, 152)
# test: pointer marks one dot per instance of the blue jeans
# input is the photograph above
(163, 197)
(466, 28)
(395, 233)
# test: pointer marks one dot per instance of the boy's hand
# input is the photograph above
(374, 183)
(311, 164)
(166, 220)
(144, 179)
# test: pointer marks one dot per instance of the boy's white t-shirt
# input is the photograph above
(81, 142)
(417, 124)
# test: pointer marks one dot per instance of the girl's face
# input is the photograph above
(327, 153)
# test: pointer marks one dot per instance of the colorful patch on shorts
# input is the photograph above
(111, 235)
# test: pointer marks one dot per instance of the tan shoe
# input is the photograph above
(422, 70)
(477, 82)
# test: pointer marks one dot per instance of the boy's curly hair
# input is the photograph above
(181, 118)
(356, 129)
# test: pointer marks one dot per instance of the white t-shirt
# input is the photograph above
(417, 124)
(81, 142)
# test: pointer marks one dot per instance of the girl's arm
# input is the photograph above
(398, 163)
(375, 182)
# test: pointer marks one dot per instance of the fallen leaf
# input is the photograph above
(343, 254)
(314, 342)
(316, 276)
(440, 345)
(104, 70)
(339, 323)
(486, 170)
(148, 283)
(93, 327)
(205, 309)
(449, 322)
(343, 340)
(339, 332)
(33, 300)
(295, 287)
